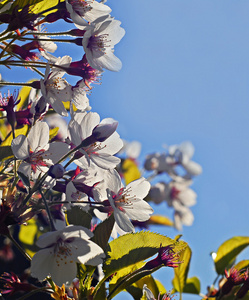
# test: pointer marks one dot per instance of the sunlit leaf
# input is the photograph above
(132, 248)
(130, 170)
(181, 272)
(37, 6)
(53, 132)
(9, 138)
(23, 96)
(228, 251)
(28, 234)
(192, 286)
(136, 289)
(160, 220)
(243, 264)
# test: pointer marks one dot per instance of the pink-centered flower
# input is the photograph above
(104, 141)
(60, 252)
(99, 41)
(54, 88)
(84, 11)
(127, 203)
(35, 151)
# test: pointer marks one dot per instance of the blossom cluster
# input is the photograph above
(69, 176)
(179, 168)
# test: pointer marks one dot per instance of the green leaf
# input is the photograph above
(77, 216)
(160, 220)
(132, 248)
(228, 251)
(243, 264)
(181, 272)
(23, 96)
(6, 152)
(24, 179)
(103, 232)
(136, 289)
(101, 295)
(53, 132)
(130, 170)
(192, 286)
(37, 6)
(9, 137)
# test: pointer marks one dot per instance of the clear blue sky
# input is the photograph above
(185, 76)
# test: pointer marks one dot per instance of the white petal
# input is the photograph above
(57, 105)
(139, 210)
(25, 168)
(38, 136)
(45, 263)
(105, 161)
(19, 146)
(139, 188)
(123, 221)
(108, 61)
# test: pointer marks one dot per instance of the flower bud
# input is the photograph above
(56, 171)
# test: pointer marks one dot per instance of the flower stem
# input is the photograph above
(52, 227)
(51, 40)
(19, 247)
(65, 33)
(16, 83)
(38, 290)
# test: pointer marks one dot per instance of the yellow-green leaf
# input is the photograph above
(130, 170)
(243, 264)
(28, 234)
(228, 251)
(132, 248)
(9, 138)
(192, 286)
(136, 289)
(160, 220)
(37, 6)
(181, 272)
(23, 96)
(53, 132)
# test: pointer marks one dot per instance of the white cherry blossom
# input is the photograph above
(126, 202)
(60, 252)
(55, 89)
(98, 43)
(84, 11)
(35, 151)
(98, 152)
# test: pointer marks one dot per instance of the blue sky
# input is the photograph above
(185, 76)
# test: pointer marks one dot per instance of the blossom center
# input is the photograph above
(99, 42)
(81, 6)
(63, 253)
(36, 159)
